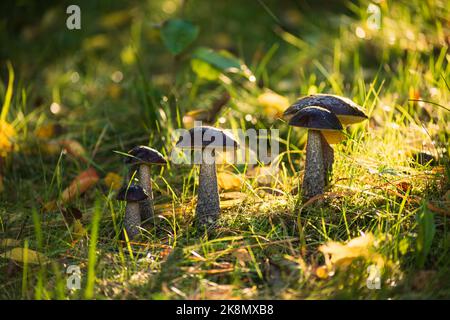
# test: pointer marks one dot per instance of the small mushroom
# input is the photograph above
(132, 194)
(144, 157)
(347, 111)
(210, 139)
(318, 120)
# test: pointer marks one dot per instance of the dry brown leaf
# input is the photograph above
(432, 207)
(74, 148)
(80, 184)
(242, 256)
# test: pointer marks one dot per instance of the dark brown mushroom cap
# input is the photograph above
(346, 110)
(207, 137)
(132, 193)
(144, 154)
(316, 118)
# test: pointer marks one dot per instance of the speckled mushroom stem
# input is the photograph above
(314, 177)
(146, 206)
(328, 159)
(208, 204)
(132, 219)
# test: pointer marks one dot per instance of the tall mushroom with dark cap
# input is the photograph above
(208, 140)
(318, 121)
(347, 111)
(144, 157)
(132, 194)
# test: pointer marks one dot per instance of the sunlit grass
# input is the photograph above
(266, 244)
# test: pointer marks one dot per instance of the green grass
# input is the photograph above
(267, 245)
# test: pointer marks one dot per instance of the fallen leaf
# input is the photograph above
(9, 242)
(233, 195)
(342, 255)
(228, 181)
(226, 204)
(273, 104)
(80, 184)
(112, 181)
(48, 131)
(242, 256)
(403, 186)
(74, 148)
(17, 254)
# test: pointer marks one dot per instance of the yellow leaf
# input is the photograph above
(272, 103)
(9, 243)
(18, 254)
(113, 181)
(48, 131)
(322, 272)
(228, 181)
(342, 255)
(7, 134)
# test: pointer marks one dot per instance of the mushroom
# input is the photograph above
(318, 120)
(208, 140)
(347, 111)
(144, 157)
(132, 194)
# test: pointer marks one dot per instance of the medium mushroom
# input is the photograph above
(144, 157)
(347, 111)
(208, 140)
(132, 194)
(318, 121)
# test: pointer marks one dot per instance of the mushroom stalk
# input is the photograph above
(328, 159)
(314, 177)
(147, 210)
(132, 219)
(208, 205)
